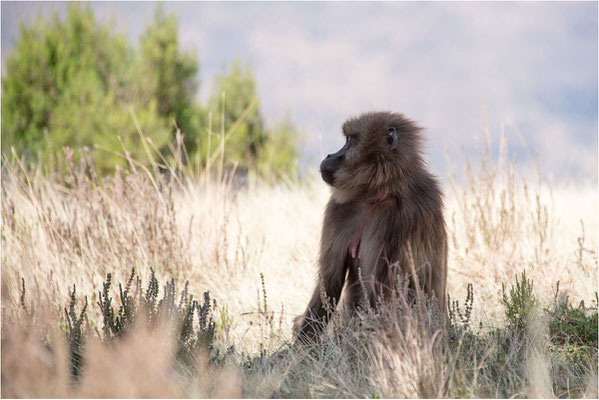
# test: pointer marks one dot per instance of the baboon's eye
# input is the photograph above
(350, 139)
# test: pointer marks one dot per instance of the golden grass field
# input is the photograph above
(222, 239)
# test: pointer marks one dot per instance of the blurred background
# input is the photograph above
(96, 74)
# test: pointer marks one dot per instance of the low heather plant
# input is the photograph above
(75, 332)
(135, 306)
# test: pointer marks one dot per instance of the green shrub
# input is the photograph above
(572, 325)
(520, 303)
(73, 82)
(573, 335)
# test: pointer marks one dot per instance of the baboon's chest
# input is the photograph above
(359, 230)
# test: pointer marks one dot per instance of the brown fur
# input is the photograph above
(387, 194)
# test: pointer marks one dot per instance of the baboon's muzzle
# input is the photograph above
(330, 164)
(327, 174)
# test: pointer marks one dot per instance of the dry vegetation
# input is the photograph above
(254, 248)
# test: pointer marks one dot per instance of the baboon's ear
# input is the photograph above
(392, 137)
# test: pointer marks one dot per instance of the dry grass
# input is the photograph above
(59, 232)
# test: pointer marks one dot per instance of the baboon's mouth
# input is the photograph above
(328, 176)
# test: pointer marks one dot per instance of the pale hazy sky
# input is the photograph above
(532, 64)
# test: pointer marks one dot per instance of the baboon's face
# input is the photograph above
(376, 144)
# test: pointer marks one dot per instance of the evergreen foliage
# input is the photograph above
(66, 84)
(167, 77)
(520, 302)
(235, 95)
(73, 82)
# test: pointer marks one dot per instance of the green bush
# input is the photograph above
(572, 325)
(66, 84)
(573, 333)
(74, 83)
(520, 303)
(572, 348)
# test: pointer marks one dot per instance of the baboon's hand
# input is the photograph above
(297, 324)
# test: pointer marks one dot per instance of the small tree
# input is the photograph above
(74, 83)
(66, 84)
(280, 153)
(246, 143)
(168, 77)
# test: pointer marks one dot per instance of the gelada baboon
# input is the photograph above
(384, 205)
